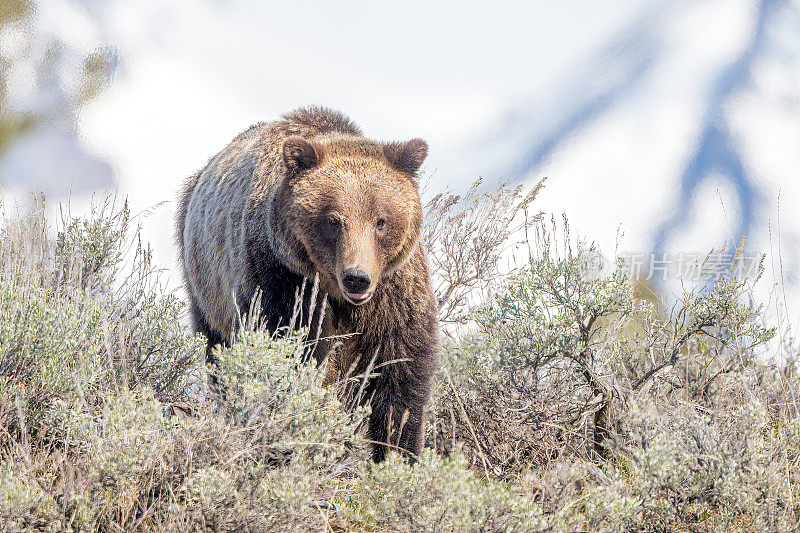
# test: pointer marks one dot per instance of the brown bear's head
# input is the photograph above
(353, 207)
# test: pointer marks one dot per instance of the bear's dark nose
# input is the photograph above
(355, 281)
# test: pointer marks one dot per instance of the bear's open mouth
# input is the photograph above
(358, 297)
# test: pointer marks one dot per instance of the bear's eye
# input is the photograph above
(334, 222)
(380, 223)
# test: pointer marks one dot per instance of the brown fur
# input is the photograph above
(308, 196)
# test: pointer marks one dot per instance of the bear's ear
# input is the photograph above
(300, 154)
(407, 156)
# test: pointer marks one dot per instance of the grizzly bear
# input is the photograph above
(305, 217)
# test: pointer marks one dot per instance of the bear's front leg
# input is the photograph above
(398, 411)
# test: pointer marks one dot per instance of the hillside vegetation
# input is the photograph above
(565, 401)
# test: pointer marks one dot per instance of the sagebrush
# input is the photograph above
(564, 402)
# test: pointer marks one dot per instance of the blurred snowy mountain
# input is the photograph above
(44, 84)
(681, 96)
(684, 130)
(52, 161)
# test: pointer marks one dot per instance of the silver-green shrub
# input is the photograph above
(565, 402)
